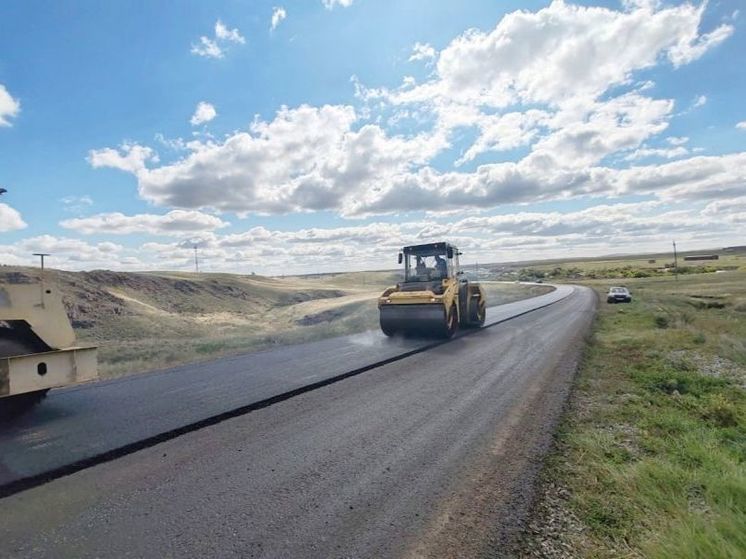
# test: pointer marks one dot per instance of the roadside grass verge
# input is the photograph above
(651, 456)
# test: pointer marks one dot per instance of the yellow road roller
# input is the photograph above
(37, 346)
(435, 297)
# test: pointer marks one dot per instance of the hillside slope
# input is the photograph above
(154, 319)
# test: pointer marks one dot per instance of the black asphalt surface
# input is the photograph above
(82, 422)
(433, 455)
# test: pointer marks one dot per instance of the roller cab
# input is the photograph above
(435, 298)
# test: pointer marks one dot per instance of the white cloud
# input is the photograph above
(215, 47)
(330, 4)
(9, 107)
(129, 157)
(693, 47)
(562, 52)
(307, 158)
(666, 153)
(741, 125)
(699, 101)
(558, 83)
(501, 132)
(677, 140)
(422, 51)
(204, 112)
(69, 253)
(541, 176)
(278, 14)
(595, 230)
(207, 48)
(175, 222)
(230, 35)
(621, 123)
(599, 229)
(728, 205)
(10, 219)
(76, 204)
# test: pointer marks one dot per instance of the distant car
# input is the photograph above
(618, 295)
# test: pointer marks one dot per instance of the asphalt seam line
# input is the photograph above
(36, 480)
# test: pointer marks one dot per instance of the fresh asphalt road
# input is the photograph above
(433, 455)
(82, 422)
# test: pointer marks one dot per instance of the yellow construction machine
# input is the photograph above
(435, 297)
(37, 346)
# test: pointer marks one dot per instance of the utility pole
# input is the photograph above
(41, 255)
(675, 262)
(196, 260)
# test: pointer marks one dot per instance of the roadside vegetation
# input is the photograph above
(622, 267)
(146, 321)
(651, 456)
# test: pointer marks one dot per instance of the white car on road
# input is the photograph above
(618, 295)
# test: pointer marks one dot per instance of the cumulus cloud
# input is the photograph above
(204, 112)
(422, 51)
(9, 107)
(559, 84)
(666, 153)
(10, 219)
(175, 222)
(214, 47)
(598, 229)
(621, 123)
(562, 52)
(693, 47)
(741, 125)
(278, 14)
(307, 158)
(331, 4)
(487, 238)
(129, 157)
(541, 177)
(729, 205)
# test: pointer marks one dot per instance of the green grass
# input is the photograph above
(653, 447)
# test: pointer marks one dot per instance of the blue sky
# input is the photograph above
(356, 126)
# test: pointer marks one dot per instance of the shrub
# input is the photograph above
(661, 321)
(720, 411)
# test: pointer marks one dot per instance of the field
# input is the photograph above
(144, 321)
(627, 266)
(650, 458)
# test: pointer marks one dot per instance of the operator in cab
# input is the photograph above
(441, 267)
